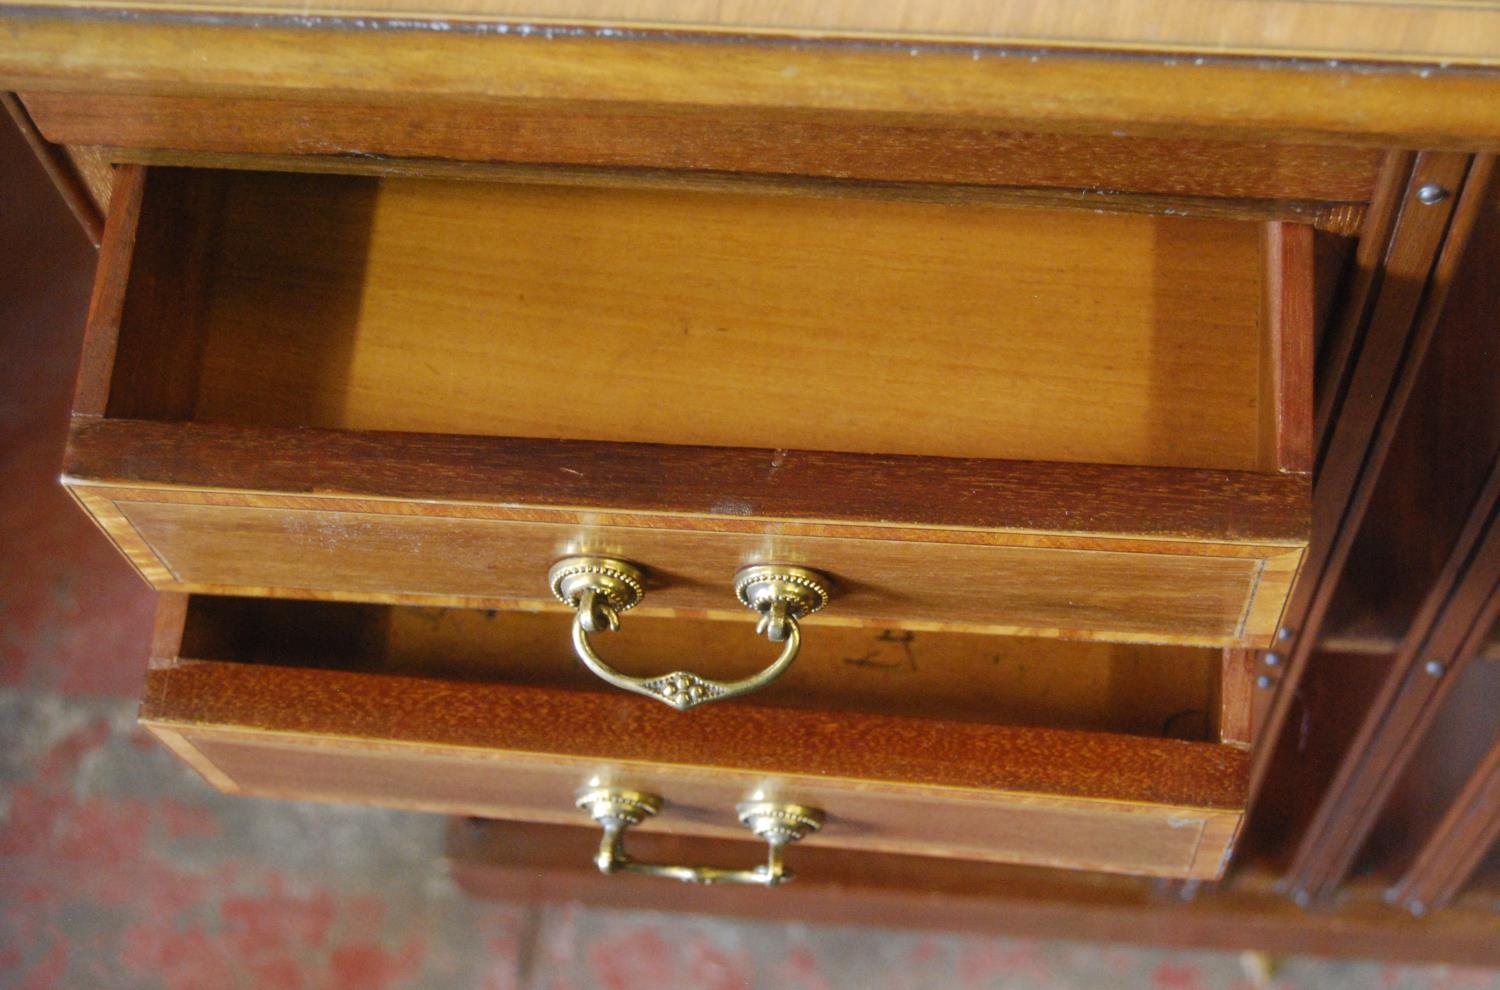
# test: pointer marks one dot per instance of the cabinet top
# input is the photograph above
(1439, 32)
(1371, 73)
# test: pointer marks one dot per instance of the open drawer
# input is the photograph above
(1098, 756)
(1017, 421)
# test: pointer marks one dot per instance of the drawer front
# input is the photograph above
(1119, 837)
(924, 786)
(1125, 590)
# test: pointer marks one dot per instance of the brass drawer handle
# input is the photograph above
(600, 588)
(778, 823)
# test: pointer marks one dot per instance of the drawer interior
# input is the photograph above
(850, 324)
(1164, 692)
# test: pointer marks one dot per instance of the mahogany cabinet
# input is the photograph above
(1072, 375)
(427, 391)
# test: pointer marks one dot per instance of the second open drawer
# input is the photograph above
(1085, 755)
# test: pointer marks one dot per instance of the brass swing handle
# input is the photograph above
(778, 823)
(600, 588)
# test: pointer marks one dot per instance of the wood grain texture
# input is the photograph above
(477, 521)
(1266, 513)
(1336, 218)
(167, 626)
(1373, 106)
(898, 784)
(1440, 780)
(1166, 692)
(551, 864)
(161, 332)
(182, 748)
(1237, 692)
(1069, 590)
(1314, 183)
(734, 320)
(1131, 838)
(102, 509)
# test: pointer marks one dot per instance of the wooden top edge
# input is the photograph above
(548, 722)
(1197, 505)
(1438, 32)
(1435, 96)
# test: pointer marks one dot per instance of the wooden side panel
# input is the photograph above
(1113, 803)
(1443, 815)
(1237, 697)
(986, 582)
(1286, 374)
(1439, 457)
(161, 327)
(142, 342)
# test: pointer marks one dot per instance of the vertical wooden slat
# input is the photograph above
(1358, 296)
(1450, 856)
(1287, 361)
(1446, 635)
(1236, 697)
(1426, 241)
(102, 330)
(60, 169)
